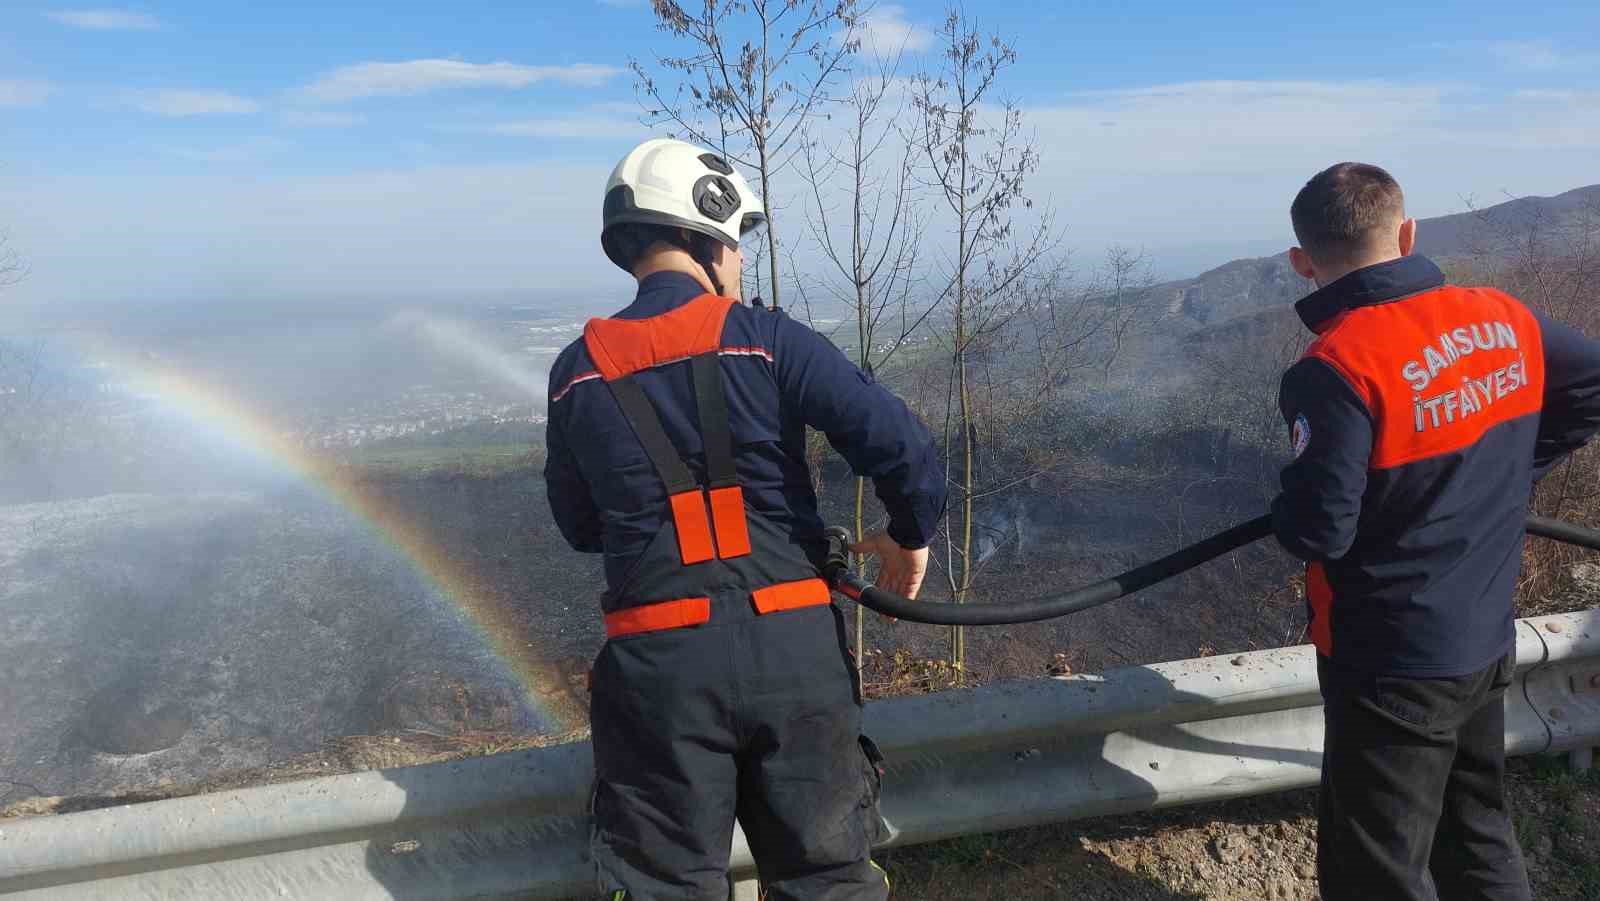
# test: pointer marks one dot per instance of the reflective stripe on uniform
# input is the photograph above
(791, 596)
(655, 617)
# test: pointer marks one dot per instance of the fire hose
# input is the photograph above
(839, 575)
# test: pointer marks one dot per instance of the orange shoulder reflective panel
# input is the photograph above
(1437, 372)
(621, 347)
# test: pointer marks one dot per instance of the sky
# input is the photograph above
(252, 153)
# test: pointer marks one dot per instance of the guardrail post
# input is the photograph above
(1579, 760)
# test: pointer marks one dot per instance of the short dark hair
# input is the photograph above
(628, 242)
(1336, 214)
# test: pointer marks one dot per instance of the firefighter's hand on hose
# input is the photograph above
(902, 568)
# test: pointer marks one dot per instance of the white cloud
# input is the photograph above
(1168, 165)
(185, 103)
(1541, 56)
(17, 94)
(421, 233)
(251, 150)
(885, 32)
(1196, 173)
(587, 126)
(106, 20)
(1229, 126)
(423, 75)
(296, 118)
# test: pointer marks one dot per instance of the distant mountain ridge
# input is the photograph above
(1250, 286)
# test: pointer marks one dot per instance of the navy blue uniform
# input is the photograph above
(677, 448)
(1422, 414)
(1421, 417)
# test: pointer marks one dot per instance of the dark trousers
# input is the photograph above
(754, 716)
(1412, 803)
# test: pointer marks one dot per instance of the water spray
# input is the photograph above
(462, 345)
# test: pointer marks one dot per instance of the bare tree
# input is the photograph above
(12, 269)
(976, 159)
(1550, 260)
(756, 72)
(863, 219)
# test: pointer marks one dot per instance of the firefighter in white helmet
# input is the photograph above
(676, 448)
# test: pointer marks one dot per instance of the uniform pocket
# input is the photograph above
(1505, 673)
(1425, 703)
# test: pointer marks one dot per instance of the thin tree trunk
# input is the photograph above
(958, 638)
(766, 173)
(772, 233)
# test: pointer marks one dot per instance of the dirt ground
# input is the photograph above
(1247, 850)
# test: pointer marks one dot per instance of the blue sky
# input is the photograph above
(260, 151)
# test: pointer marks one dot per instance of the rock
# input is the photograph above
(1229, 847)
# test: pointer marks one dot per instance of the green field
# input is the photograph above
(481, 461)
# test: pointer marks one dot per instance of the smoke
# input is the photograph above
(458, 342)
(1001, 526)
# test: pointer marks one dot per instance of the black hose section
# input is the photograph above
(1564, 532)
(841, 578)
(838, 574)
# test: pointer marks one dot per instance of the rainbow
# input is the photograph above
(213, 410)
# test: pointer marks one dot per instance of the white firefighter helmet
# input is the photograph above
(676, 184)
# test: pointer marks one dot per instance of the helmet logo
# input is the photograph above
(716, 164)
(716, 198)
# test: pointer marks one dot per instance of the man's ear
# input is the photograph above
(1300, 261)
(1408, 237)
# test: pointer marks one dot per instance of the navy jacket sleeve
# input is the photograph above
(570, 501)
(1571, 414)
(1316, 515)
(875, 432)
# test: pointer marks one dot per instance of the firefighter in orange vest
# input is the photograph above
(1420, 416)
(676, 443)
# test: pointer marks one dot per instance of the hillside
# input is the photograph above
(1243, 287)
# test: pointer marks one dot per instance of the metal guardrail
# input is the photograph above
(965, 762)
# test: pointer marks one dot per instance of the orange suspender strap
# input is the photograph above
(620, 348)
(683, 492)
(657, 617)
(791, 596)
(727, 498)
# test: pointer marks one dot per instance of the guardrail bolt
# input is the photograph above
(1555, 627)
(1555, 713)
